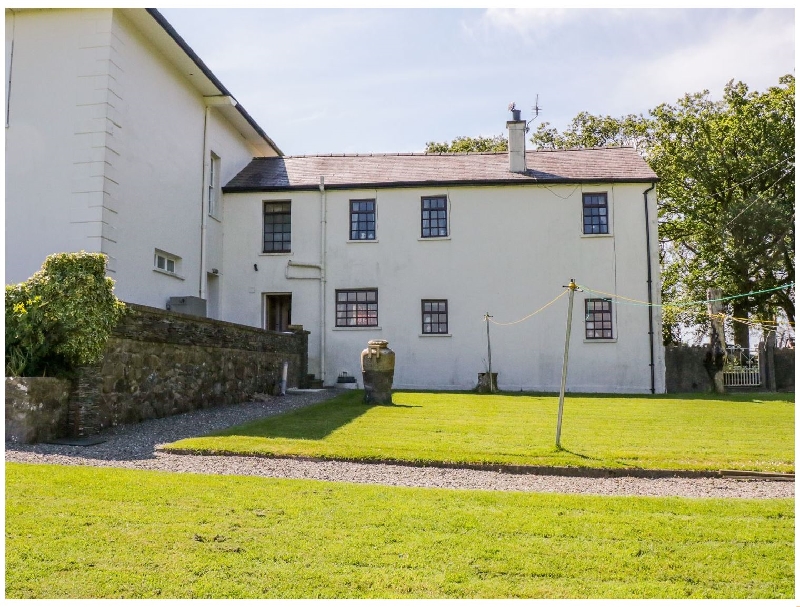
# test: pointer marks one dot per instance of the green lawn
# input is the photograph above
(744, 432)
(80, 532)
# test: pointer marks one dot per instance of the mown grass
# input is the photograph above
(75, 532)
(709, 433)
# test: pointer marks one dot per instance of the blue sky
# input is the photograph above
(380, 80)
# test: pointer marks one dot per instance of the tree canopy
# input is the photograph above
(498, 143)
(727, 198)
(589, 131)
(726, 195)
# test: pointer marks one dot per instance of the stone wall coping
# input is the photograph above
(167, 314)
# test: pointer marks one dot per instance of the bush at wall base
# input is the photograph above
(61, 317)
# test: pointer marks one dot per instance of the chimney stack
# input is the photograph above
(516, 141)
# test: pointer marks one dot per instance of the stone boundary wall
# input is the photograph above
(159, 363)
(784, 369)
(36, 408)
(686, 371)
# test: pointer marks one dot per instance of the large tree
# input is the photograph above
(726, 195)
(498, 143)
(589, 131)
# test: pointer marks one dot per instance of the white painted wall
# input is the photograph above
(509, 252)
(53, 194)
(107, 150)
(234, 154)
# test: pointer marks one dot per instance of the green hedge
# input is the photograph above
(61, 317)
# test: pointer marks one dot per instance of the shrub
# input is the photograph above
(61, 317)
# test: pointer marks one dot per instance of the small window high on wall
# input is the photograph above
(214, 194)
(166, 263)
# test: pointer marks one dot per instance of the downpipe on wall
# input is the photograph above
(650, 290)
(322, 265)
(203, 203)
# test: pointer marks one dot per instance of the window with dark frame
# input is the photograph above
(434, 317)
(434, 216)
(357, 308)
(598, 319)
(362, 220)
(595, 213)
(277, 227)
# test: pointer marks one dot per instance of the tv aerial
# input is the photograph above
(536, 110)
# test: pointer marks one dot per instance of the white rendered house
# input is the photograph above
(416, 249)
(118, 139)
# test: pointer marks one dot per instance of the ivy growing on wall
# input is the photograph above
(61, 317)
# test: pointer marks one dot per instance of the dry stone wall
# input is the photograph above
(36, 408)
(159, 363)
(686, 371)
(156, 363)
(784, 369)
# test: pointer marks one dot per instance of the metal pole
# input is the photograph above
(572, 286)
(489, 347)
(284, 374)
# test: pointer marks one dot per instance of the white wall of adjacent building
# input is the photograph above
(107, 149)
(509, 251)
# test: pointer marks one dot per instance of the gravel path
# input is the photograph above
(132, 446)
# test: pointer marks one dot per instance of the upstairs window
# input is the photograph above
(595, 213)
(213, 186)
(277, 227)
(598, 319)
(434, 216)
(357, 308)
(362, 219)
(434, 316)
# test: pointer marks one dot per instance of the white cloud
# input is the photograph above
(530, 21)
(539, 24)
(755, 49)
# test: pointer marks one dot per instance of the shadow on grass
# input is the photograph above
(313, 423)
(580, 455)
(734, 397)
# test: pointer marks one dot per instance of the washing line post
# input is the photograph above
(489, 353)
(572, 288)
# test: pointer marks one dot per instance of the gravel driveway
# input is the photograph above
(133, 445)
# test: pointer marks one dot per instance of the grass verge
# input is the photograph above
(74, 532)
(737, 432)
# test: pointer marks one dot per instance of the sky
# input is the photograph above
(391, 80)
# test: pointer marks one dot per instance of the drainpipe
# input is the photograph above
(203, 203)
(10, 66)
(323, 224)
(650, 290)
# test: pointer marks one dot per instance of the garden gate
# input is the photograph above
(741, 368)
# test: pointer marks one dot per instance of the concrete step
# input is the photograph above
(313, 382)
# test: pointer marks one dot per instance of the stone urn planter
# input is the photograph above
(377, 367)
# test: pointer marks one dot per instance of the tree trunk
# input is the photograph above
(715, 357)
(741, 331)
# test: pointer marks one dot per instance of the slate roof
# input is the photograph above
(405, 170)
